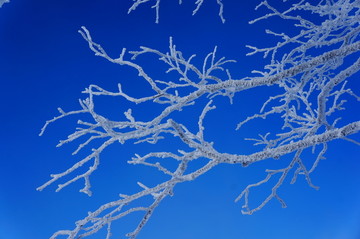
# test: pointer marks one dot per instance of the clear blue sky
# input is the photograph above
(45, 64)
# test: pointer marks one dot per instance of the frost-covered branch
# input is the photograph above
(310, 68)
(3, 1)
(156, 6)
(99, 219)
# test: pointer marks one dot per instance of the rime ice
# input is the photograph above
(312, 90)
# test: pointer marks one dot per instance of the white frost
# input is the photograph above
(3, 1)
(312, 84)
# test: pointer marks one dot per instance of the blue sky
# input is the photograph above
(45, 64)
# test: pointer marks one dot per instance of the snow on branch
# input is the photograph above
(312, 79)
(3, 1)
(156, 6)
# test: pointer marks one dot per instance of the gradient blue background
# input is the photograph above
(45, 64)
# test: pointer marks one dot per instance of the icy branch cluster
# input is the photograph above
(198, 4)
(313, 73)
